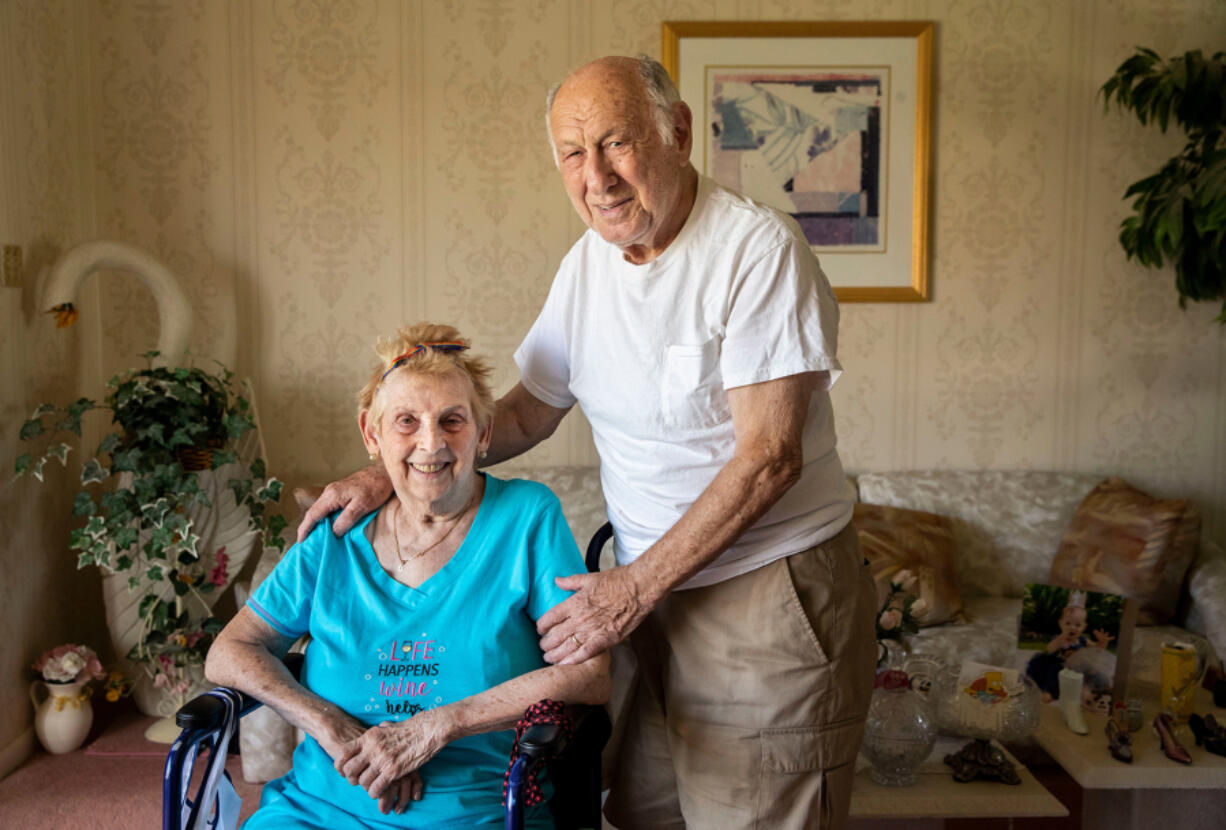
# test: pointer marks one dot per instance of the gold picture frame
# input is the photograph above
(828, 121)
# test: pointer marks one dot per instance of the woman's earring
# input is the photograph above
(483, 454)
(373, 456)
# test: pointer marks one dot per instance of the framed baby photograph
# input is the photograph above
(1084, 631)
(828, 122)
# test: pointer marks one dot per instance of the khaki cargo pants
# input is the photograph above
(743, 702)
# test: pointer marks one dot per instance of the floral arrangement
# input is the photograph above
(69, 663)
(902, 609)
(171, 423)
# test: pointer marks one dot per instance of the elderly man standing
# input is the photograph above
(697, 332)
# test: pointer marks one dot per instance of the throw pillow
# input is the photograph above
(894, 539)
(1123, 541)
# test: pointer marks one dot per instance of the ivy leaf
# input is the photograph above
(22, 465)
(60, 452)
(109, 443)
(92, 472)
(83, 505)
(95, 527)
(85, 559)
(270, 491)
(154, 574)
(31, 429)
(126, 537)
(36, 469)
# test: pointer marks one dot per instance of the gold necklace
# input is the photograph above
(396, 536)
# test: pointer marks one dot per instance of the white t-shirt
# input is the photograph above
(649, 352)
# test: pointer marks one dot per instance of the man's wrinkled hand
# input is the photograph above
(602, 612)
(358, 495)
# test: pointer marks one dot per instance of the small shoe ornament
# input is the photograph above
(1119, 741)
(1164, 728)
(1209, 733)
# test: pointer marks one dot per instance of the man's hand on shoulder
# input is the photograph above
(358, 494)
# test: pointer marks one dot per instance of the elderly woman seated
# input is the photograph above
(424, 646)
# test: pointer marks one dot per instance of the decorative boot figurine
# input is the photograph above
(1070, 701)
(1119, 740)
(1164, 728)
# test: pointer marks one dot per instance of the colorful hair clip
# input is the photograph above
(442, 346)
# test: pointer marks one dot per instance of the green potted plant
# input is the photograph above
(1179, 213)
(187, 501)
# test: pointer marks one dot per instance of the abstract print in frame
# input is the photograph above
(828, 122)
(806, 141)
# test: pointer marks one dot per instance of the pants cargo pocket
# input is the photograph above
(806, 775)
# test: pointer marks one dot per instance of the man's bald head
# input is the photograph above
(642, 75)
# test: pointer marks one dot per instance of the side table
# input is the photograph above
(1152, 791)
(936, 796)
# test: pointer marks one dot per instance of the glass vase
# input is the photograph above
(899, 733)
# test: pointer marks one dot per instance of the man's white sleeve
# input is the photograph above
(783, 320)
(544, 357)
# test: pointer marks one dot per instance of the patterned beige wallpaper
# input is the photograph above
(322, 170)
(44, 600)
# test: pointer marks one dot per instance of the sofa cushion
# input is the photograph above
(986, 633)
(1123, 541)
(896, 539)
(1006, 524)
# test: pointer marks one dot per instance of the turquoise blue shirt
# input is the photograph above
(383, 651)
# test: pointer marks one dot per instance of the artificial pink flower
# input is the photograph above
(218, 575)
(904, 579)
(890, 619)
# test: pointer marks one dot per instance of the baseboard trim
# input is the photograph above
(17, 751)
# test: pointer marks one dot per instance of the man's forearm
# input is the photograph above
(521, 421)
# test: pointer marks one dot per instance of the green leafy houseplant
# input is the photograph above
(172, 423)
(1179, 213)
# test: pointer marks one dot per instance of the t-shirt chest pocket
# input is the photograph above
(692, 387)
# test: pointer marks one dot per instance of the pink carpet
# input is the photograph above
(114, 781)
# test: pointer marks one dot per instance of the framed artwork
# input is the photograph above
(829, 122)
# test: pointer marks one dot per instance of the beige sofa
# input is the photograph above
(1006, 526)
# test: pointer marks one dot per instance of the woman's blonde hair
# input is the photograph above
(430, 361)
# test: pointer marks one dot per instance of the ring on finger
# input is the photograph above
(578, 642)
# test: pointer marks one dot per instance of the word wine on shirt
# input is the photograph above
(407, 661)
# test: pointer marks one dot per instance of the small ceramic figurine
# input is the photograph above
(1119, 739)
(1164, 728)
(1070, 701)
(1209, 733)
